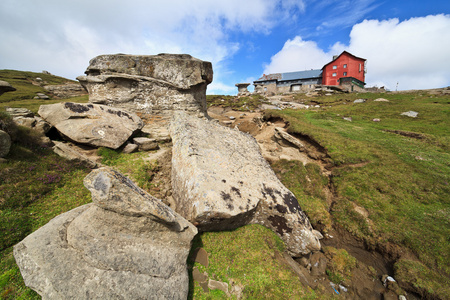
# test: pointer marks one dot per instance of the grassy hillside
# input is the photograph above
(397, 170)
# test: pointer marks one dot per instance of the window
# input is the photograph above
(345, 66)
(334, 74)
(334, 67)
(345, 73)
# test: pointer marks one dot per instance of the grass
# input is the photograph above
(402, 181)
(242, 103)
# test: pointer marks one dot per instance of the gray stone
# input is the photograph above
(125, 245)
(145, 144)
(381, 100)
(411, 114)
(19, 112)
(68, 90)
(376, 120)
(5, 87)
(347, 119)
(71, 152)
(160, 134)
(359, 101)
(220, 182)
(5, 143)
(130, 148)
(218, 285)
(154, 85)
(24, 121)
(281, 134)
(42, 96)
(92, 124)
(41, 125)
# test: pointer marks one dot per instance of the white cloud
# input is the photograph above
(297, 55)
(415, 53)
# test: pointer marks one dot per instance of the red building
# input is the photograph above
(344, 69)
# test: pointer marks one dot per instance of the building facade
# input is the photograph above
(302, 81)
(345, 65)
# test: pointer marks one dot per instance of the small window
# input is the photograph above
(334, 74)
(345, 66)
(345, 73)
(334, 67)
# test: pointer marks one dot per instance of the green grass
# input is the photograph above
(247, 257)
(25, 89)
(245, 103)
(403, 182)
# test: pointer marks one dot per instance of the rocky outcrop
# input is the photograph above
(5, 87)
(125, 245)
(150, 84)
(220, 182)
(68, 90)
(92, 124)
(25, 117)
(5, 143)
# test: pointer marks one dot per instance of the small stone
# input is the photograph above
(376, 120)
(359, 101)
(401, 297)
(381, 100)
(145, 144)
(26, 122)
(201, 256)
(284, 156)
(232, 118)
(411, 114)
(347, 119)
(19, 112)
(199, 277)
(42, 96)
(130, 148)
(218, 285)
(227, 122)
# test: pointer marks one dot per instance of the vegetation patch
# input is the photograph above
(240, 103)
(340, 265)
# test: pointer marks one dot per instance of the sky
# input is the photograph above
(406, 43)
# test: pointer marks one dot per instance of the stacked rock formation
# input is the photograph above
(5, 87)
(125, 245)
(156, 85)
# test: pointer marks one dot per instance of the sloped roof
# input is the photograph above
(340, 56)
(291, 75)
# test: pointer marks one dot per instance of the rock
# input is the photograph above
(401, 297)
(5, 143)
(130, 148)
(376, 120)
(347, 119)
(381, 100)
(41, 125)
(125, 245)
(71, 152)
(411, 114)
(220, 181)
(201, 256)
(24, 121)
(218, 285)
(145, 144)
(160, 134)
(201, 278)
(155, 85)
(318, 264)
(5, 87)
(318, 234)
(19, 112)
(359, 101)
(280, 133)
(42, 96)
(284, 156)
(92, 124)
(232, 118)
(67, 90)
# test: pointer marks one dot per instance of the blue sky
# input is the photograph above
(405, 42)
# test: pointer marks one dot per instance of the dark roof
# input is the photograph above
(291, 75)
(340, 56)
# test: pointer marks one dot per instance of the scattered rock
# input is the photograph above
(201, 256)
(25, 121)
(5, 87)
(280, 133)
(125, 245)
(71, 152)
(218, 285)
(145, 144)
(130, 148)
(220, 182)
(42, 96)
(411, 114)
(232, 118)
(376, 120)
(381, 100)
(19, 112)
(201, 278)
(92, 124)
(359, 101)
(5, 143)
(347, 119)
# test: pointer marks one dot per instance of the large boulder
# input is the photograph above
(5, 143)
(5, 87)
(92, 124)
(220, 182)
(155, 85)
(125, 245)
(67, 90)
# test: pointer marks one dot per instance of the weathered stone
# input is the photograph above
(155, 85)
(201, 256)
(5, 143)
(280, 133)
(42, 96)
(5, 87)
(130, 148)
(19, 112)
(92, 124)
(242, 88)
(218, 285)
(41, 125)
(411, 114)
(381, 100)
(160, 134)
(145, 144)
(68, 90)
(24, 121)
(220, 182)
(125, 245)
(359, 101)
(71, 152)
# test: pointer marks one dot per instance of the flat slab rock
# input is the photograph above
(125, 245)
(220, 182)
(92, 124)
